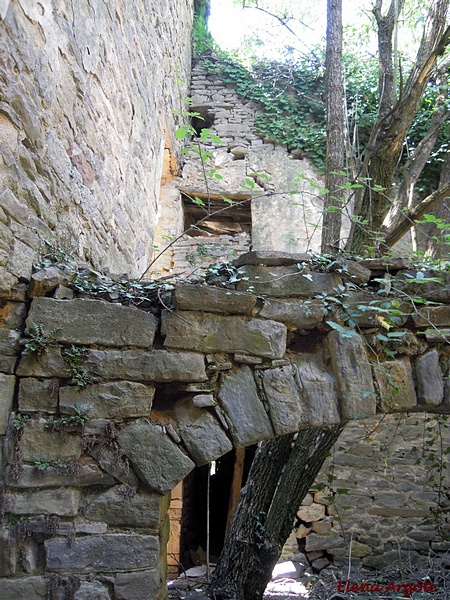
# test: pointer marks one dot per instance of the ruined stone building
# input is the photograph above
(114, 392)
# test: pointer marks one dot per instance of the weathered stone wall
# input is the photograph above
(86, 127)
(106, 408)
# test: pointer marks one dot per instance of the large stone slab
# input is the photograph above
(7, 386)
(212, 299)
(137, 365)
(57, 501)
(430, 385)
(23, 588)
(112, 400)
(395, 385)
(247, 416)
(285, 282)
(271, 258)
(143, 509)
(205, 332)
(298, 314)
(86, 474)
(102, 553)
(38, 395)
(88, 322)
(353, 374)
(201, 433)
(38, 441)
(432, 316)
(287, 412)
(157, 460)
(145, 584)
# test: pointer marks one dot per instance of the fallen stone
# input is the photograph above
(155, 458)
(247, 417)
(286, 282)
(56, 501)
(46, 280)
(296, 314)
(105, 553)
(202, 435)
(112, 400)
(157, 366)
(85, 322)
(205, 332)
(131, 586)
(212, 299)
(270, 258)
(7, 387)
(430, 385)
(395, 385)
(38, 395)
(40, 442)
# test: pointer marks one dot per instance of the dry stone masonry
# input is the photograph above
(118, 404)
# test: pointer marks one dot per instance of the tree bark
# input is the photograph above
(282, 472)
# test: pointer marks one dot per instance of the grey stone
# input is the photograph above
(386, 265)
(86, 474)
(112, 400)
(63, 293)
(7, 364)
(92, 590)
(202, 435)
(204, 400)
(299, 314)
(142, 509)
(323, 542)
(36, 395)
(350, 270)
(57, 501)
(115, 463)
(155, 458)
(247, 359)
(287, 411)
(353, 374)
(8, 554)
(395, 385)
(430, 385)
(23, 588)
(205, 332)
(81, 321)
(270, 258)
(432, 316)
(7, 386)
(285, 282)
(212, 299)
(131, 586)
(50, 364)
(9, 342)
(248, 419)
(46, 280)
(39, 441)
(366, 309)
(103, 553)
(158, 366)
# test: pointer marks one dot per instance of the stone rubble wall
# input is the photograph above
(87, 469)
(86, 127)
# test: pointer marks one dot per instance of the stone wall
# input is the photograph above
(87, 91)
(105, 408)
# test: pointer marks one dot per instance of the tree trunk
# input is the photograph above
(282, 472)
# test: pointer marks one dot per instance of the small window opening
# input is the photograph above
(205, 120)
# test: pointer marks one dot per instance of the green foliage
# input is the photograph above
(73, 356)
(201, 38)
(20, 421)
(39, 341)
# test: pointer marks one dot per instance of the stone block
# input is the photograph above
(114, 463)
(351, 270)
(24, 588)
(8, 555)
(158, 366)
(92, 590)
(309, 514)
(353, 374)
(205, 332)
(103, 553)
(395, 385)
(42, 442)
(316, 542)
(81, 321)
(286, 405)
(296, 314)
(38, 395)
(157, 460)
(247, 416)
(131, 586)
(212, 299)
(286, 282)
(201, 433)
(50, 364)
(46, 280)
(270, 258)
(56, 501)
(85, 474)
(7, 386)
(112, 400)
(432, 316)
(430, 385)
(9, 342)
(12, 315)
(114, 507)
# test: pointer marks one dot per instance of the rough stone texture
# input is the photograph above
(287, 412)
(143, 509)
(9, 349)
(8, 555)
(92, 591)
(86, 474)
(112, 400)
(314, 512)
(7, 386)
(430, 386)
(36, 395)
(58, 501)
(323, 542)
(161, 471)
(130, 586)
(215, 333)
(115, 464)
(246, 414)
(212, 299)
(25, 588)
(12, 314)
(294, 313)
(46, 280)
(39, 441)
(436, 316)
(353, 374)
(201, 433)
(395, 384)
(86, 322)
(104, 553)
(50, 364)
(270, 258)
(158, 366)
(285, 282)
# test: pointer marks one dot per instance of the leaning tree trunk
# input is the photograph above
(282, 472)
